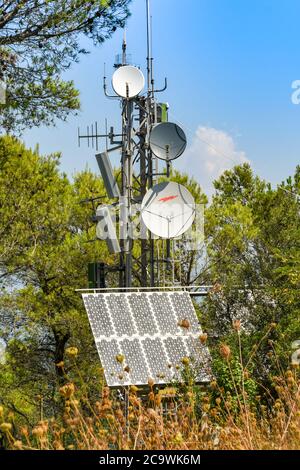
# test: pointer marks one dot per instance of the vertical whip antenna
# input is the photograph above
(124, 47)
(149, 51)
(151, 47)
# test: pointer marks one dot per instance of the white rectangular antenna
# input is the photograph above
(109, 180)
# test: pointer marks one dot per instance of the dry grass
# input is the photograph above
(172, 418)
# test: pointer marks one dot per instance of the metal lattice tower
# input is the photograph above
(141, 116)
(139, 168)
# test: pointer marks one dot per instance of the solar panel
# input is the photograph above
(147, 335)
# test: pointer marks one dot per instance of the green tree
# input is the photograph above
(253, 245)
(44, 252)
(40, 39)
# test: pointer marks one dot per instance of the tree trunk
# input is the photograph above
(61, 338)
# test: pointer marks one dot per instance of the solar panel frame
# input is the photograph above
(145, 329)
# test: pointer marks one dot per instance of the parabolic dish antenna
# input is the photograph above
(128, 81)
(167, 141)
(168, 210)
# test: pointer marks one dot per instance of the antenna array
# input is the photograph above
(146, 137)
(150, 334)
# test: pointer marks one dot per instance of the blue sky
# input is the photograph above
(230, 65)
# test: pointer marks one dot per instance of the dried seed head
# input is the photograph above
(185, 361)
(5, 427)
(237, 325)
(18, 445)
(152, 413)
(72, 351)
(184, 323)
(213, 384)
(58, 445)
(24, 431)
(225, 351)
(150, 382)
(38, 431)
(178, 439)
(120, 358)
(203, 338)
(67, 390)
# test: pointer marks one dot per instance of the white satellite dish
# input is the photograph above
(167, 141)
(128, 81)
(168, 210)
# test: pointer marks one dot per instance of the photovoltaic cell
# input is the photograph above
(199, 356)
(100, 319)
(108, 351)
(134, 358)
(164, 314)
(142, 336)
(123, 321)
(145, 323)
(184, 310)
(159, 369)
(176, 351)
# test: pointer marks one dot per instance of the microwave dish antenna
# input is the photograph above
(128, 81)
(167, 141)
(168, 210)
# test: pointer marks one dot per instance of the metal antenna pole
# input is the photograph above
(124, 46)
(127, 189)
(126, 192)
(143, 182)
(150, 121)
(129, 195)
(127, 177)
(149, 58)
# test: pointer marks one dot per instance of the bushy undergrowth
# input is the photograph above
(175, 417)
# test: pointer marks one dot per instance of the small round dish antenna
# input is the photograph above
(128, 81)
(168, 210)
(167, 141)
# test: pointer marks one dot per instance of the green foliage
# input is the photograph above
(251, 256)
(43, 258)
(253, 245)
(39, 40)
